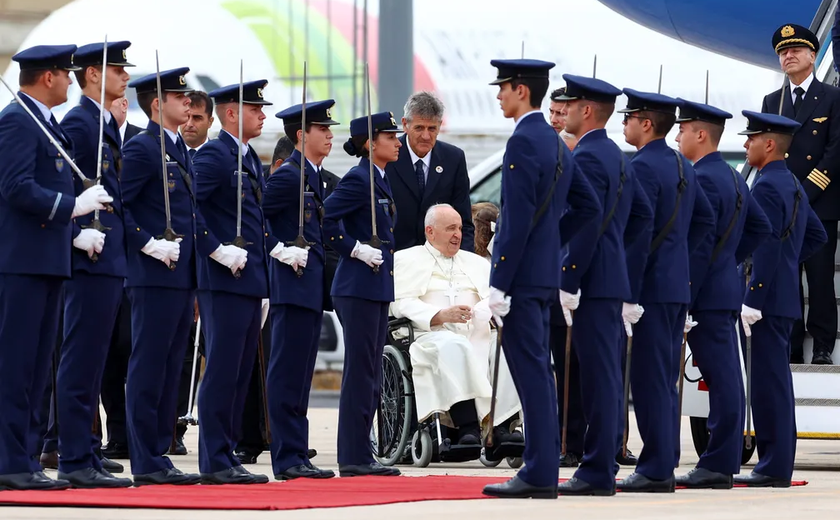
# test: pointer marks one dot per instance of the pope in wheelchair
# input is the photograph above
(443, 291)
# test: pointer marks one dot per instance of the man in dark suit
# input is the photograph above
(814, 157)
(427, 172)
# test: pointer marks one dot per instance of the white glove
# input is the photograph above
(569, 302)
(90, 240)
(689, 323)
(90, 200)
(499, 304)
(628, 328)
(748, 317)
(230, 256)
(291, 255)
(632, 312)
(367, 254)
(266, 305)
(163, 250)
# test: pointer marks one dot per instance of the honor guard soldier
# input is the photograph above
(364, 284)
(540, 181)
(717, 291)
(814, 157)
(37, 204)
(299, 294)
(160, 236)
(92, 297)
(595, 274)
(770, 301)
(681, 213)
(230, 291)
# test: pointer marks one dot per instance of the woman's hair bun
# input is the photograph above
(350, 148)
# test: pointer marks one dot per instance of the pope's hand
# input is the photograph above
(499, 304)
(454, 314)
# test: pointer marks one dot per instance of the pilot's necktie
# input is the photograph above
(797, 103)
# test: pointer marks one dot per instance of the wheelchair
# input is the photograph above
(398, 438)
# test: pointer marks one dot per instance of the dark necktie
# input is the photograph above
(800, 94)
(192, 153)
(421, 176)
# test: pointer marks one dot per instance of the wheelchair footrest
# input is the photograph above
(459, 452)
(505, 449)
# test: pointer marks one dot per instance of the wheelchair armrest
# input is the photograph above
(395, 324)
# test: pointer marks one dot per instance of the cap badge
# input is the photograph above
(329, 115)
(123, 54)
(393, 122)
(259, 93)
(787, 31)
(181, 80)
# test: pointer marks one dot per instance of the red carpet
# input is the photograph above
(298, 494)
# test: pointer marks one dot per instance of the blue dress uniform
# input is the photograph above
(229, 305)
(538, 198)
(161, 298)
(716, 296)
(93, 295)
(297, 301)
(682, 220)
(595, 265)
(36, 208)
(361, 297)
(814, 157)
(773, 288)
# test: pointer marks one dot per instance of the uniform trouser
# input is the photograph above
(576, 427)
(365, 324)
(116, 369)
(29, 307)
(822, 303)
(160, 324)
(595, 334)
(47, 420)
(252, 438)
(654, 370)
(91, 304)
(233, 325)
(525, 343)
(714, 347)
(295, 334)
(772, 397)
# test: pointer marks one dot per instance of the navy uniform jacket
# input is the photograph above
(666, 278)
(716, 285)
(143, 207)
(450, 185)
(282, 206)
(523, 254)
(215, 192)
(36, 195)
(774, 284)
(814, 155)
(82, 125)
(600, 272)
(346, 220)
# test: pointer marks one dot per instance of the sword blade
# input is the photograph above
(239, 159)
(370, 154)
(162, 146)
(302, 156)
(101, 118)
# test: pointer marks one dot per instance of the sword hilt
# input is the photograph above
(376, 242)
(170, 235)
(239, 242)
(88, 183)
(97, 225)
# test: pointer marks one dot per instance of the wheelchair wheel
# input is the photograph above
(421, 448)
(488, 463)
(392, 424)
(514, 462)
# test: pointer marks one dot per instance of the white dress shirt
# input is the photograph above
(108, 114)
(41, 107)
(805, 85)
(526, 115)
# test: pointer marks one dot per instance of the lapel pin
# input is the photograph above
(439, 169)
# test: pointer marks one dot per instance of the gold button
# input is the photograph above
(332, 238)
(787, 155)
(760, 286)
(341, 237)
(808, 157)
(564, 268)
(752, 288)
(511, 166)
(138, 229)
(266, 234)
(495, 266)
(170, 175)
(503, 258)
(574, 266)
(392, 230)
(815, 132)
(205, 232)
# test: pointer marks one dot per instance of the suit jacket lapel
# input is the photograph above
(434, 176)
(812, 99)
(405, 170)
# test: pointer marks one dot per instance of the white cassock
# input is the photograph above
(451, 362)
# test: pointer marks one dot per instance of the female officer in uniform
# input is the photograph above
(364, 285)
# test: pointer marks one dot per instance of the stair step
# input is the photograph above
(818, 402)
(815, 369)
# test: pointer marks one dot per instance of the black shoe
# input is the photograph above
(89, 478)
(111, 466)
(245, 457)
(229, 476)
(177, 447)
(360, 470)
(311, 454)
(758, 480)
(638, 483)
(167, 476)
(470, 436)
(626, 460)
(49, 460)
(569, 460)
(821, 358)
(115, 450)
(31, 481)
(258, 479)
(304, 471)
(518, 488)
(701, 478)
(576, 487)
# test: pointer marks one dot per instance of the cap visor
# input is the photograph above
(263, 103)
(564, 97)
(71, 68)
(327, 122)
(390, 130)
(123, 64)
(685, 119)
(750, 132)
(628, 110)
(499, 81)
